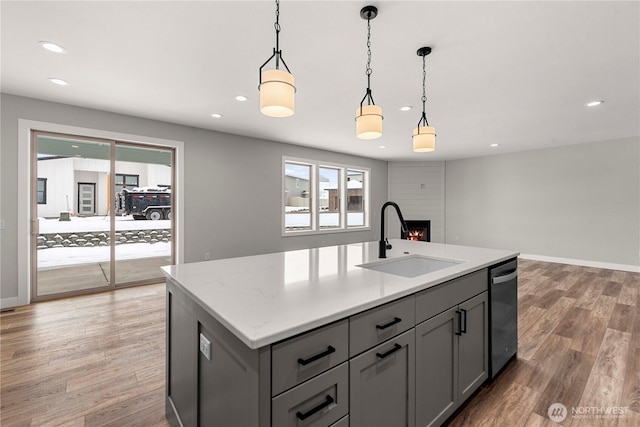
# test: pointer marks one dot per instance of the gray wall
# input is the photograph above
(217, 165)
(578, 202)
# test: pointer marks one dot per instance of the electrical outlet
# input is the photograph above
(207, 256)
(205, 347)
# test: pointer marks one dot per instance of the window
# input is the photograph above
(321, 197)
(131, 181)
(297, 195)
(42, 191)
(329, 197)
(355, 198)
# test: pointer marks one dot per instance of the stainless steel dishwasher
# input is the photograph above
(503, 314)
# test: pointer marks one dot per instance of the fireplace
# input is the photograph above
(418, 230)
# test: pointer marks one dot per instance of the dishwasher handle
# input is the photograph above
(504, 278)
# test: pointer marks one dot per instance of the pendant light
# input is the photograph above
(424, 136)
(368, 117)
(277, 87)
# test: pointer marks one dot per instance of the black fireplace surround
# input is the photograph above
(417, 230)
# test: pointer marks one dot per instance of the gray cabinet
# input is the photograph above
(452, 352)
(436, 351)
(376, 368)
(233, 389)
(473, 351)
(314, 364)
(382, 384)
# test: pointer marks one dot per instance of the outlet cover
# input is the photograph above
(205, 347)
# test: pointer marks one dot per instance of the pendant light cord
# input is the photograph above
(368, 95)
(369, 70)
(277, 27)
(423, 118)
(277, 53)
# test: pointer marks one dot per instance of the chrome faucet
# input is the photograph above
(384, 242)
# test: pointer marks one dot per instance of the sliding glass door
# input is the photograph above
(143, 232)
(83, 239)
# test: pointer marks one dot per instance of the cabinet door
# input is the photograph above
(436, 369)
(473, 352)
(382, 384)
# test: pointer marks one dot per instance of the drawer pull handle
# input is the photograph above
(395, 348)
(327, 352)
(328, 400)
(463, 328)
(459, 315)
(388, 325)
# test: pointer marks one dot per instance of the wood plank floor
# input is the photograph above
(99, 360)
(95, 360)
(578, 345)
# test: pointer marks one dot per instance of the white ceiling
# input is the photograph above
(517, 73)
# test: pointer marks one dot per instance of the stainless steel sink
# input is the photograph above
(411, 266)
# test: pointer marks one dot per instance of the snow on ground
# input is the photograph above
(99, 223)
(64, 257)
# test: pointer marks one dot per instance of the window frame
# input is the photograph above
(365, 195)
(44, 192)
(124, 176)
(314, 204)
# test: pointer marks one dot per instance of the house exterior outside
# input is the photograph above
(81, 186)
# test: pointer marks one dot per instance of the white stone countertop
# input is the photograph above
(263, 299)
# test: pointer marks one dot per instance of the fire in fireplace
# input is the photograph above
(418, 230)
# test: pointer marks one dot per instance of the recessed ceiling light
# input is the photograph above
(75, 146)
(494, 145)
(58, 81)
(383, 146)
(52, 47)
(406, 108)
(241, 98)
(594, 103)
(216, 115)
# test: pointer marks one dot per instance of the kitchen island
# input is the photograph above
(328, 336)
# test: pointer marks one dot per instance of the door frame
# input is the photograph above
(25, 127)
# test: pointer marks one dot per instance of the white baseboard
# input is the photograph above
(584, 263)
(8, 302)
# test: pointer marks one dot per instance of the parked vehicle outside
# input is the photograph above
(151, 203)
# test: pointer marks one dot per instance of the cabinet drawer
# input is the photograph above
(303, 357)
(444, 296)
(318, 402)
(377, 325)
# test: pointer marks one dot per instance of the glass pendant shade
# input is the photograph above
(277, 93)
(424, 139)
(369, 122)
